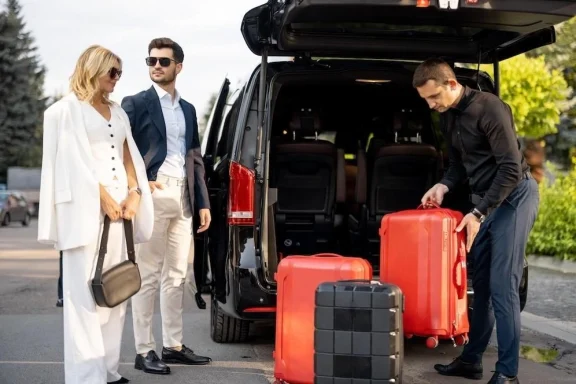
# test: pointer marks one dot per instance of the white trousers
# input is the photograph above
(92, 334)
(163, 263)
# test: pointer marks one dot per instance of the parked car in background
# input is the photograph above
(14, 208)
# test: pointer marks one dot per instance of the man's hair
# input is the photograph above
(165, 42)
(433, 69)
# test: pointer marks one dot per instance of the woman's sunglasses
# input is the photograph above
(115, 72)
(164, 61)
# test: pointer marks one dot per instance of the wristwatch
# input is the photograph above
(479, 215)
(135, 189)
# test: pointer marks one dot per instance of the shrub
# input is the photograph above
(554, 233)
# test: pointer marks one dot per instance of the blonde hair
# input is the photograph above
(92, 64)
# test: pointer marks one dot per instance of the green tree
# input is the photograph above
(562, 54)
(536, 94)
(21, 92)
(33, 155)
(562, 57)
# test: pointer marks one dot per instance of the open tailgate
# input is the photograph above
(476, 31)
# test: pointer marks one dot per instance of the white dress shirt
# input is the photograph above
(173, 165)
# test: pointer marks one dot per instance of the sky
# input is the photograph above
(207, 30)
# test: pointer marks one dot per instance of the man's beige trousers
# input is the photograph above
(163, 263)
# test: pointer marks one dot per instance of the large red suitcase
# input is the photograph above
(298, 277)
(423, 255)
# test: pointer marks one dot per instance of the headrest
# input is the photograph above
(407, 124)
(306, 119)
(406, 119)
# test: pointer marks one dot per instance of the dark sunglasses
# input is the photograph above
(164, 61)
(113, 72)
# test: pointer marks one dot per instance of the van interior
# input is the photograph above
(346, 148)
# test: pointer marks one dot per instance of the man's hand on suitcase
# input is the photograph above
(435, 195)
(472, 227)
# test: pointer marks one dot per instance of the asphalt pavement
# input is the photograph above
(31, 331)
(552, 294)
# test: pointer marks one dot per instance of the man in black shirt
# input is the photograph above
(484, 150)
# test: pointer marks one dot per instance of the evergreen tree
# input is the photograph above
(21, 92)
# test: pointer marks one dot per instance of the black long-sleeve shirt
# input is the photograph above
(483, 146)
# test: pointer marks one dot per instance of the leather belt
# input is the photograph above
(171, 181)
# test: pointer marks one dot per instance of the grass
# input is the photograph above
(538, 355)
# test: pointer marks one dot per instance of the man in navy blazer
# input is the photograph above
(165, 129)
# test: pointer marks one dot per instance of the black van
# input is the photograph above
(309, 153)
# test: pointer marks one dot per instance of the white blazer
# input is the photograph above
(69, 211)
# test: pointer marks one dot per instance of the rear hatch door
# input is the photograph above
(470, 31)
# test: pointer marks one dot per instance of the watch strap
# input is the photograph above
(479, 215)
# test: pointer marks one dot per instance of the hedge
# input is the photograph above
(554, 233)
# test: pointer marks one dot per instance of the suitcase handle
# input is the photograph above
(434, 205)
(327, 255)
(356, 281)
(460, 272)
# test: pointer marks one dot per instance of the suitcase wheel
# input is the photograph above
(461, 340)
(432, 342)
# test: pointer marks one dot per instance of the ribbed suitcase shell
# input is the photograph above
(358, 337)
(297, 278)
(421, 253)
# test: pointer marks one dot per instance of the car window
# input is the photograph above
(226, 132)
(214, 123)
(12, 201)
(3, 197)
(21, 201)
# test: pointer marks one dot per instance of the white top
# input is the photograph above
(175, 134)
(107, 143)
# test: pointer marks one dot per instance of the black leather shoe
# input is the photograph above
(184, 356)
(499, 378)
(461, 368)
(122, 380)
(151, 364)
(60, 303)
(200, 301)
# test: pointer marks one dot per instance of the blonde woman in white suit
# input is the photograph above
(91, 167)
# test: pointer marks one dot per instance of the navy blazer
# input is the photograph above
(149, 131)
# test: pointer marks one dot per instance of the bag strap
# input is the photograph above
(129, 234)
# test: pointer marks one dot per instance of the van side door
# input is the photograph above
(207, 146)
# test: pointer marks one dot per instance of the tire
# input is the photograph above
(6, 221)
(227, 329)
(26, 221)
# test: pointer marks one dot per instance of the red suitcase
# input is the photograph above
(421, 253)
(298, 277)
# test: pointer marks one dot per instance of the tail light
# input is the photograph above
(423, 3)
(241, 195)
